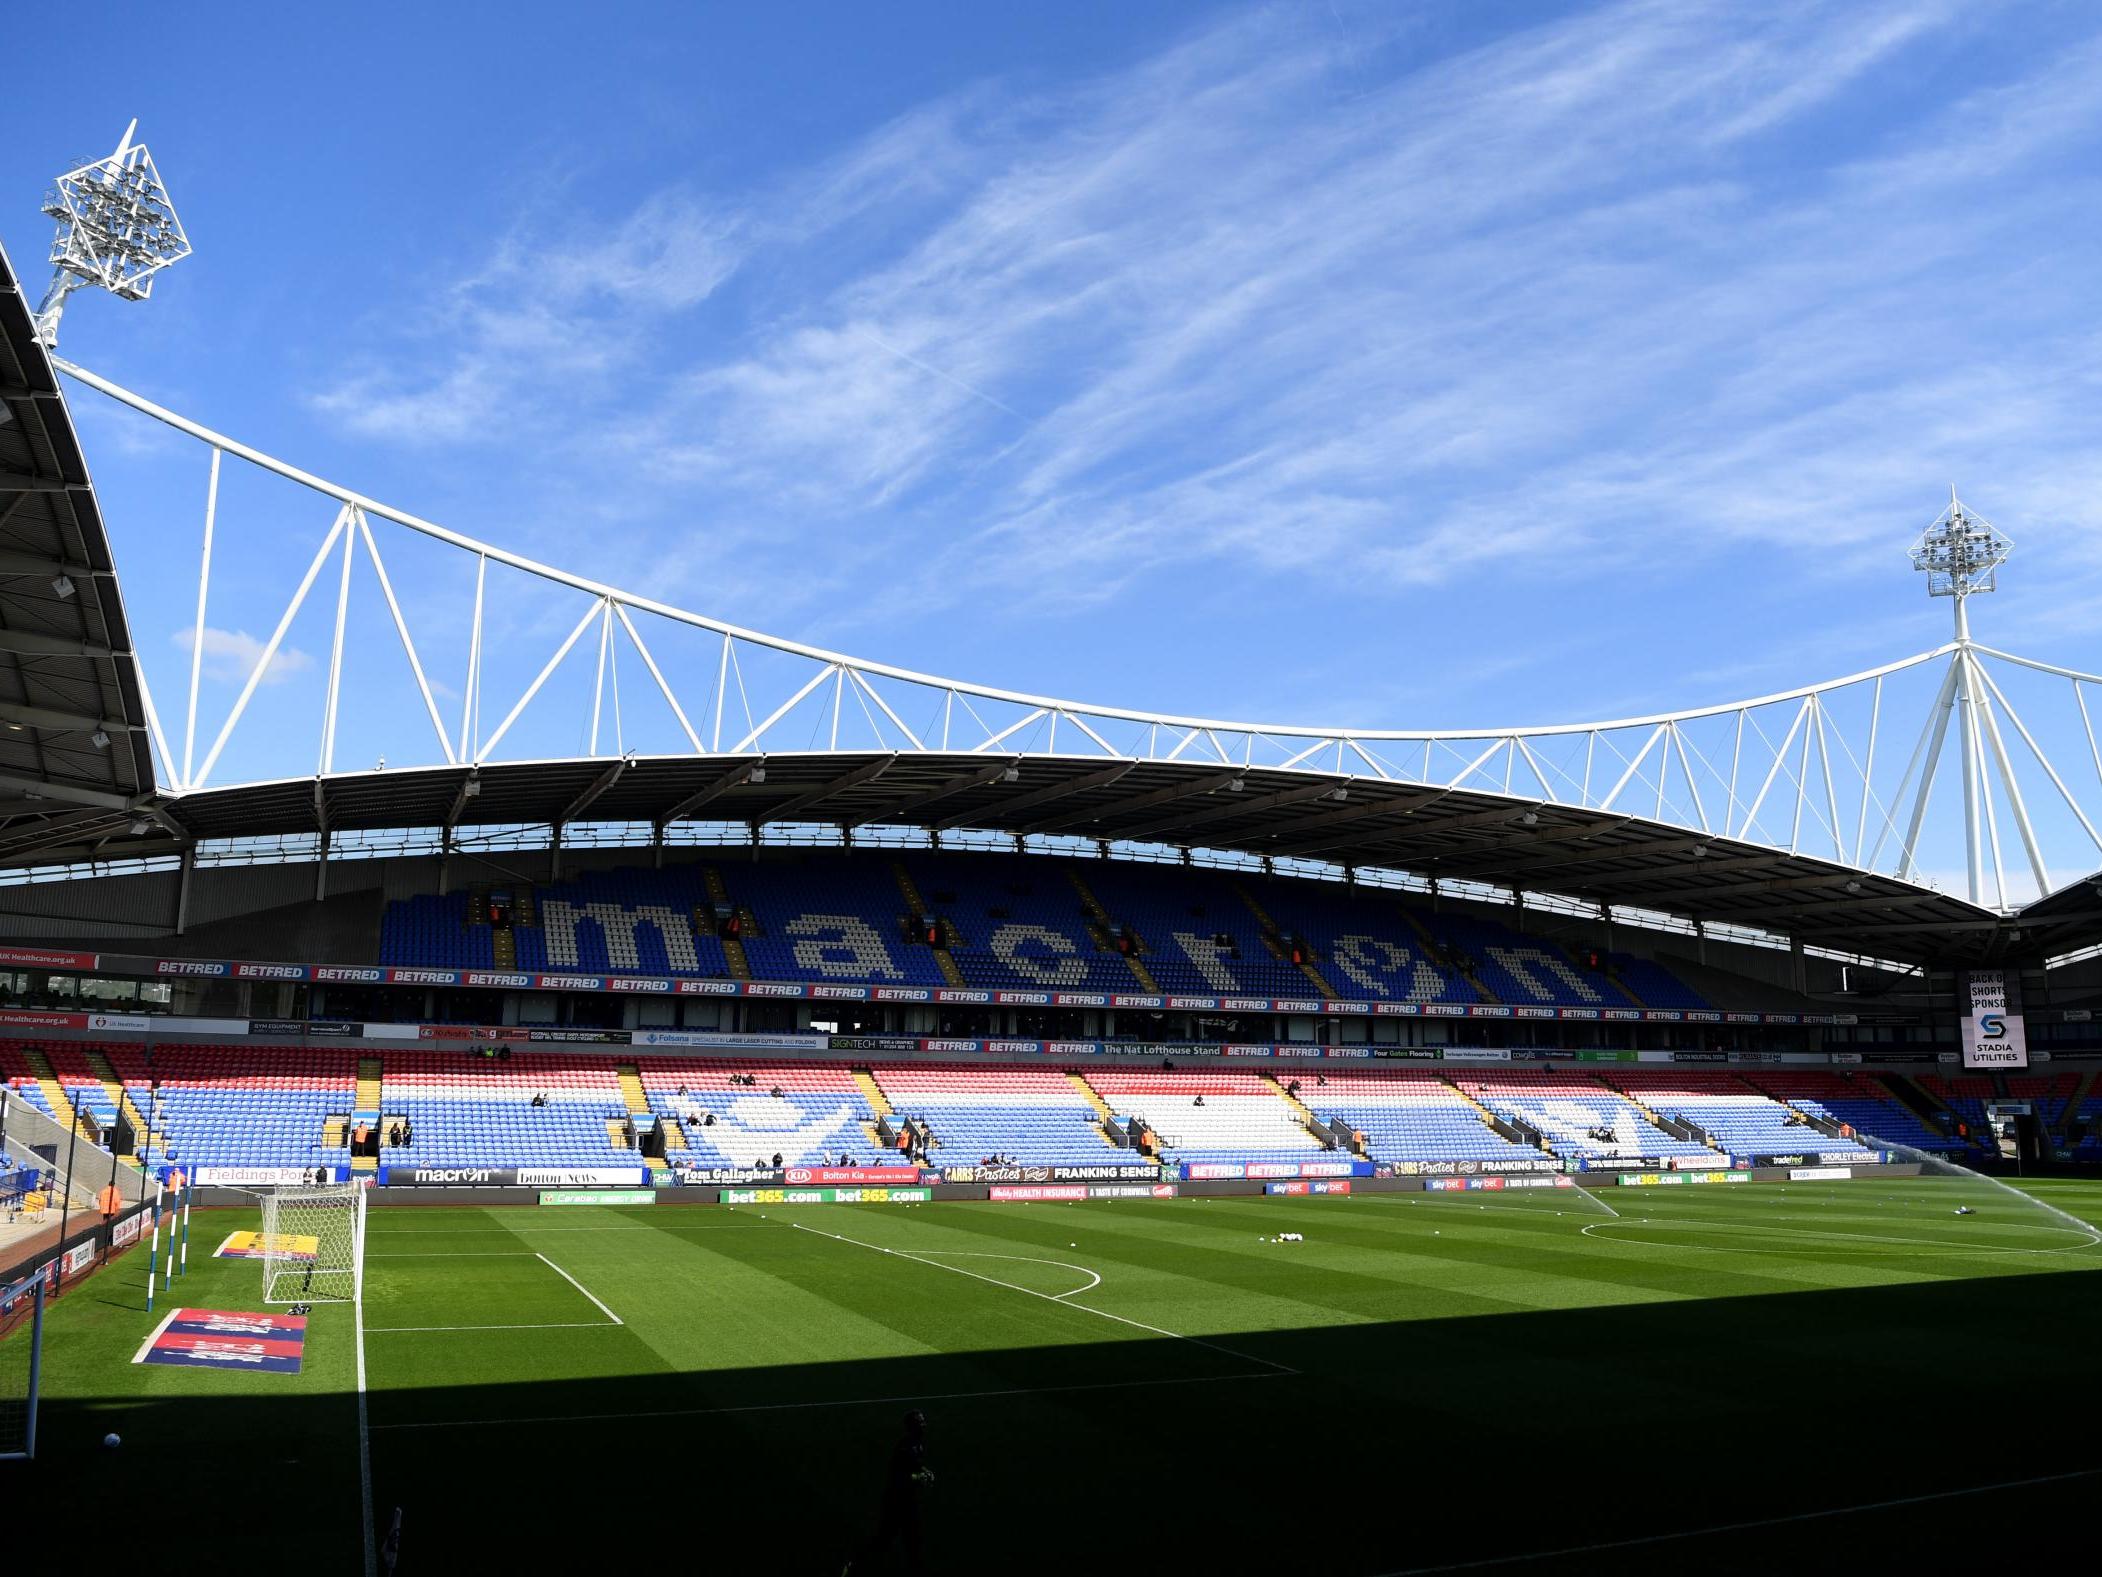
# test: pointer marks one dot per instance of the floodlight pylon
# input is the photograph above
(117, 229)
(1960, 553)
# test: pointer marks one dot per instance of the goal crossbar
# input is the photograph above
(314, 1244)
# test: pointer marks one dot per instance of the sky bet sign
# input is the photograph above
(1992, 1036)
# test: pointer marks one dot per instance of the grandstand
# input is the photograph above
(1416, 1118)
(1581, 1119)
(741, 1113)
(1028, 1116)
(1011, 924)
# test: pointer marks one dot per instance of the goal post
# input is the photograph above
(314, 1244)
(21, 1361)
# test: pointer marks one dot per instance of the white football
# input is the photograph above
(111, 1441)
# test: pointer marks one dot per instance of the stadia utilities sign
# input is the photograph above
(1993, 1036)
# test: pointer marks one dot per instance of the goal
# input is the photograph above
(314, 1244)
(21, 1359)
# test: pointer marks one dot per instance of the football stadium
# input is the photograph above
(839, 1116)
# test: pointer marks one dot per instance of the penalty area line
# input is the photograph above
(371, 1557)
(1062, 1299)
(560, 1325)
(566, 1276)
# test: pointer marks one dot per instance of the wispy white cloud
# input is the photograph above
(230, 656)
(538, 324)
(1324, 308)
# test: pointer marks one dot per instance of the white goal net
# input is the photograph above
(314, 1244)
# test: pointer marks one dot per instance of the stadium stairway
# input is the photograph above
(1449, 957)
(872, 1092)
(367, 1099)
(1272, 939)
(335, 1133)
(637, 1100)
(1821, 1124)
(1670, 1125)
(1495, 1124)
(733, 949)
(1100, 925)
(1613, 976)
(879, 1103)
(1088, 1093)
(1305, 1113)
(54, 1092)
(2074, 1105)
(99, 1064)
(915, 904)
(1923, 1103)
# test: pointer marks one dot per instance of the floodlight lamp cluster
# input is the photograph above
(117, 229)
(1961, 552)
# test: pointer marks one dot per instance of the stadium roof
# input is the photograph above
(1451, 834)
(66, 678)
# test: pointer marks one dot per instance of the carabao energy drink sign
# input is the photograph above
(826, 1196)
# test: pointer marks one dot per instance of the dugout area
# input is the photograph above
(1425, 1380)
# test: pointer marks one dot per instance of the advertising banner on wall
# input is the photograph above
(693, 1175)
(510, 1176)
(1107, 1172)
(123, 965)
(826, 1196)
(264, 1176)
(1993, 1035)
(1040, 1193)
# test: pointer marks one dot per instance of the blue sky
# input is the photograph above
(1437, 365)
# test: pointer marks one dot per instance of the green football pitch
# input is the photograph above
(1756, 1377)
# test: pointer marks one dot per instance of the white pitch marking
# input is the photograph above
(958, 1270)
(471, 1253)
(566, 1276)
(154, 1335)
(372, 1560)
(570, 1325)
(848, 1401)
(1835, 1239)
(537, 1231)
(1094, 1277)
